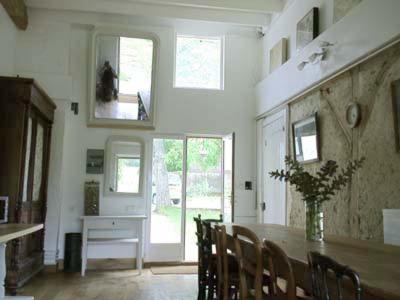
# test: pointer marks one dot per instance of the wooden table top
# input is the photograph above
(12, 231)
(377, 264)
(127, 217)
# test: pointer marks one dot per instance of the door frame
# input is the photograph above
(233, 136)
(149, 253)
(283, 113)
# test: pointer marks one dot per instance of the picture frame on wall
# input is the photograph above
(278, 55)
(307, 28)
(395, 89)
(306, 147)
(95, 161)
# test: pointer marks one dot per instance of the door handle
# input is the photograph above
(263, 206)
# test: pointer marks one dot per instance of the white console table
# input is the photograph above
(9, 232)
(113, 224)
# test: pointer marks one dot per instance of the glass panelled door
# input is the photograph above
(167, 198)
(203, 187)
(187, 180)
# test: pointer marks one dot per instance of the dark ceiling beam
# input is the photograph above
(17, 11)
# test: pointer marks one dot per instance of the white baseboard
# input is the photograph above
(50, 257)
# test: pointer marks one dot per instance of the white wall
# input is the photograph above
(61, 52)
(8, 34)
(284, 26)
(365, 28)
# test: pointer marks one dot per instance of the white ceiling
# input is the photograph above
(239, 12)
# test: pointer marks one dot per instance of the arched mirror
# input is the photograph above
(124, 168)
(122, 78)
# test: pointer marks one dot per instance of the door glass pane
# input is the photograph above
(27, 156)
(38, 167)
(166, 204)
(204, 186)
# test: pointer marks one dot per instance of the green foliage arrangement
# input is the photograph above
(322, 186)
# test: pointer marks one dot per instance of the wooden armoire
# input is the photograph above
(26, 117)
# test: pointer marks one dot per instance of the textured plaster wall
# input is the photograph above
(357, 210)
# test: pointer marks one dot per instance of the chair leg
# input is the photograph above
(210, 295)
(202, 292)
(211, 286)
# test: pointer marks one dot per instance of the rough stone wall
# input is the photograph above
(357, 210)
(342, 7)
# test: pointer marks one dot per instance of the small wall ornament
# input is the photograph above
(353, 114)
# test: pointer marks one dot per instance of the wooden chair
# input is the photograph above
(251, 271)
(202, 266)
(205, 258)
(210, 256)
(281, 274)
(227, 267)
(325, 271)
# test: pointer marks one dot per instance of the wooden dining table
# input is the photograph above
(377, 264)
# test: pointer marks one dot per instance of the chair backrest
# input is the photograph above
(199, 230)
(207, 232)
(321, 268)
(250, 266)
(222, 261)
(279, 266)
(220, 220)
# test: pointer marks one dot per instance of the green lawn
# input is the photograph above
(174, 214)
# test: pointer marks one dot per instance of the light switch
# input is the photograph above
(248, 185)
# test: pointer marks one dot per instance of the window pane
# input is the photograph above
(166, 204)
(38, 168)
(135, 66)
(128, 171)
(198, 62)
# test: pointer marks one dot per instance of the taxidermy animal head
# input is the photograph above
(105, 90)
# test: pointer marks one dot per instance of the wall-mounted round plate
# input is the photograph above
(353, 114)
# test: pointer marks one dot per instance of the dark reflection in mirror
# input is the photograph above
(123, 77)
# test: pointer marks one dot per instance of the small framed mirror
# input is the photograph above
(306, 140)
(122, 78)
(124, 166)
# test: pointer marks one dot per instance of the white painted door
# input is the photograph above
(228, 143)
(274, 151)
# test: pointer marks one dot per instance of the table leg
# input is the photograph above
(84, 249)
(139, 254)
(2, 269)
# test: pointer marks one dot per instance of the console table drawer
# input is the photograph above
(110, 224)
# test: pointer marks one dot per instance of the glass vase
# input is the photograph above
(314, 221)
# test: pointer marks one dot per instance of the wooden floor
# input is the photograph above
(111, 285)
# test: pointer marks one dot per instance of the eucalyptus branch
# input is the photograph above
(322, 186)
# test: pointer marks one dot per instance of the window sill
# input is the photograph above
(198, 89)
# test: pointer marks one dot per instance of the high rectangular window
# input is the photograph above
(199, 62)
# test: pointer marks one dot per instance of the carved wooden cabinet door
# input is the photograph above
(33, 206)
(25, 128)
